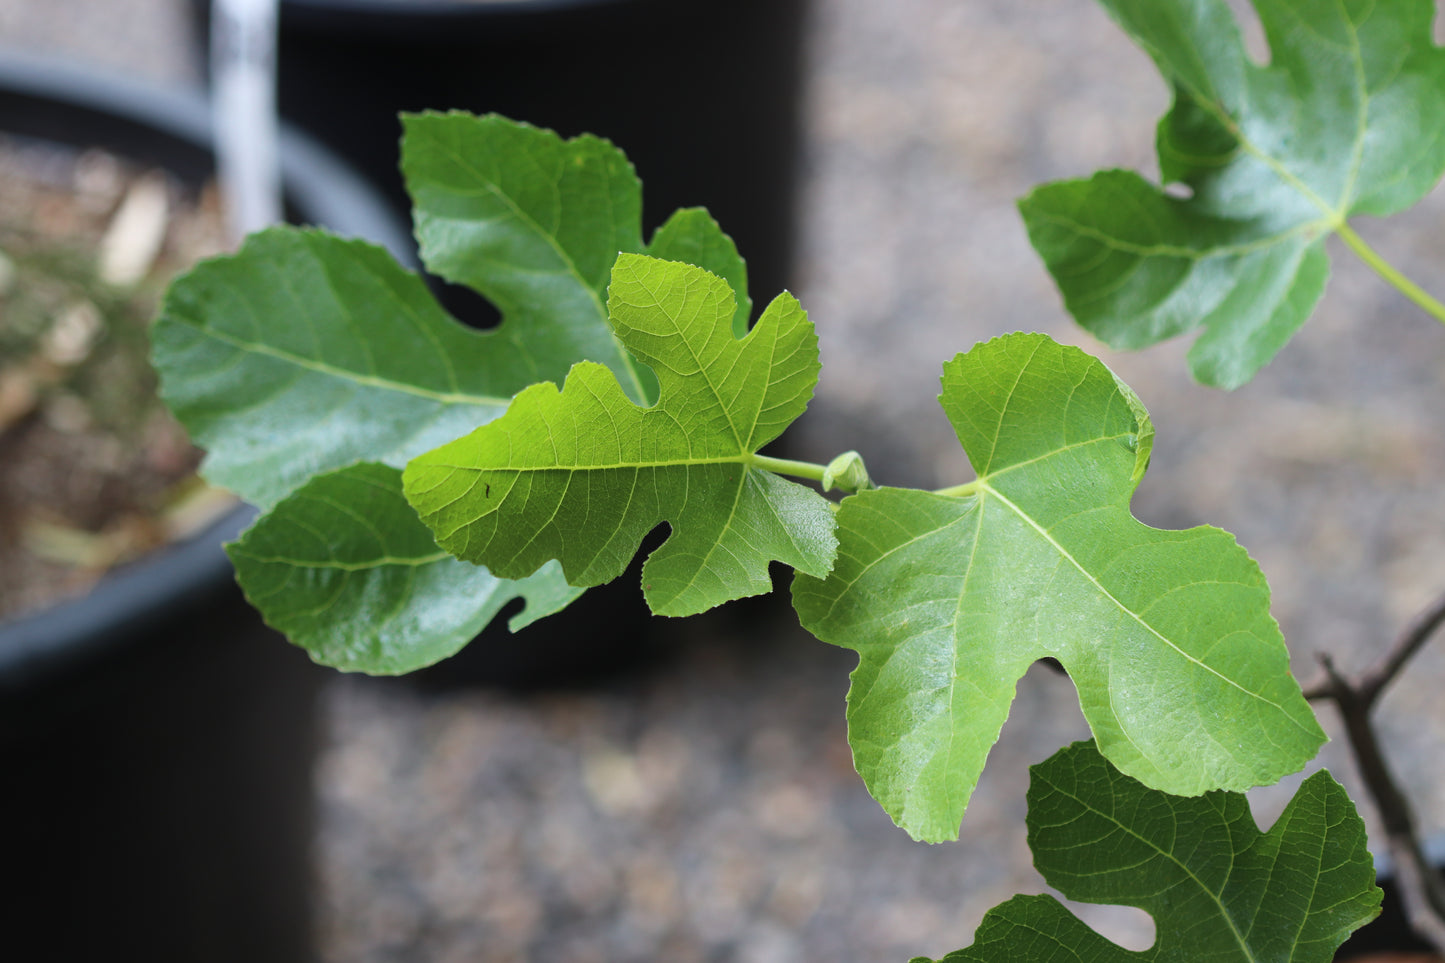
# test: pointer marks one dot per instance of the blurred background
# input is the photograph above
(701, 806)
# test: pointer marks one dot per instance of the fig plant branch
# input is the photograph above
(1372, 682)
(947, 597)
(629, 385)
(1421, 885)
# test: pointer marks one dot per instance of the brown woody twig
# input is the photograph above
(1422, 888)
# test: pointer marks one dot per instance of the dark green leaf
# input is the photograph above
(1219, 890)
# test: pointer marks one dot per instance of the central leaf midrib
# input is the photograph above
(716, 545)
(1175, 250)
(1070, 446)
(344, 374)
(381, 561)
(745, 458)
(1332, 215)
(1068, 556)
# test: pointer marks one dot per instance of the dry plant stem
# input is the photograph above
(1411, 640)
(1421, 885)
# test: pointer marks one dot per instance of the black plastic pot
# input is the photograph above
(156, 740)
(703, 96)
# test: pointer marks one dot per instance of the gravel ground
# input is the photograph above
(707, 810)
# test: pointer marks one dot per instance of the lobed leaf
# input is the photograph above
(948, 598)
(1218, 889)
(304, 355)
(582, 474)
(1274, 158)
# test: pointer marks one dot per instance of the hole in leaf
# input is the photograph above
(464, 304)
(654, 538)
(1053, 664)
(1178, 190)
(1127, 926)
(1253, 31)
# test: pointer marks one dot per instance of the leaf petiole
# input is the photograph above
(786, 466)
(961, 491)
(815, 472)
(845, 473)
(1388, 271)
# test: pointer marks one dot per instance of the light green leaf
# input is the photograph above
(1181, 671)
(581, 475)
(1274, 158)
(1219, 890)
(304, 354)
(345, 569)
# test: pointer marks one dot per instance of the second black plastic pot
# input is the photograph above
(701, 94)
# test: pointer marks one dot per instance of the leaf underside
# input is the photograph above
(1274, 158)
(582, 474)
(305, 357)
(1181, 671)
(1218, 889)
(345, 564)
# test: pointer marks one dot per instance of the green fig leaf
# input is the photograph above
(582, 474)
(1218, 889)
(534, 222)
(304, 354)
(1273, 158)
(1181, 671)
(339, 565)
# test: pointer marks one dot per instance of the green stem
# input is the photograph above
(959, 491)
(814, 472)
(786, 466)
(1387, 271)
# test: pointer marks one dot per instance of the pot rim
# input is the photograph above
(322, 189)
(448, 22)
(469, 9)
